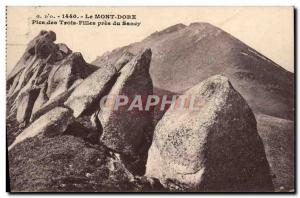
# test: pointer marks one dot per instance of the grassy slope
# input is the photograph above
(278, 138)
(63, 163)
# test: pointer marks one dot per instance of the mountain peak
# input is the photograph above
(185, 55)
(168, 30)
(201, 24)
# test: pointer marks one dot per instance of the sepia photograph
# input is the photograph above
(150, 99)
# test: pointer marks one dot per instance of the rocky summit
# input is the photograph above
(183, 110)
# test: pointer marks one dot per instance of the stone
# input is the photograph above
(123, 60)
(25, 104)
(53, 123)
(147, 184)
(40, 51)
(62, 51)
(215, 147)
(64, 48)
(91, 89)
(54, 102)
(45, 48)
(41, 99)
(129, 131)
(62, 76)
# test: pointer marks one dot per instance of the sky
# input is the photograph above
(269, 30)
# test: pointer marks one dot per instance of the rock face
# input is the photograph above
(39, 52)
(25, 104)
(91, 89)
(40, 100)
(213, 148)
(37, 48)
(43, 79)
(62, 76)
(128, 131)
(52, 103)
(125, 58)
(52, 67)
(52, 123)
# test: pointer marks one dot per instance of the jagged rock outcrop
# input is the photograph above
(213, 148)
(33, 48)
(54, 122)
(47, 66)
(43, 79)
(39, 51)
(129, 131)
(91, 89)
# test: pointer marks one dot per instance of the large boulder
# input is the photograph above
(91, 89)
(52, 123)
(128, 131)
(212, 147)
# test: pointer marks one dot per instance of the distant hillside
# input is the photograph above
(185, 55)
